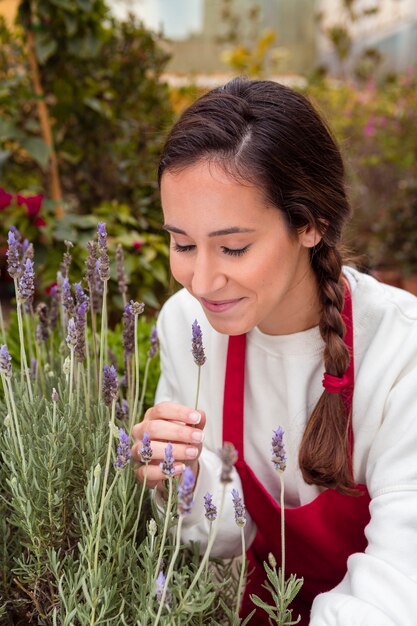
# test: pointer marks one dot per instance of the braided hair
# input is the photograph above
(267, 134)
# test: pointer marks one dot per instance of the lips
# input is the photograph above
(219, 306)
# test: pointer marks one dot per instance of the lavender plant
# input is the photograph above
(283, 590)
(82, 543)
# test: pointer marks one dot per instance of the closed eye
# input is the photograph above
(234, 251)
(179, 248)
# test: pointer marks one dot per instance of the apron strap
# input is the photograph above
(233, 404)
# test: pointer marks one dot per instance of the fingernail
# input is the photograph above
(191, 453)
(178, 469)
(194, 417)
(197, 436)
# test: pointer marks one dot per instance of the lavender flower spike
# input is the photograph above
(26, 284)
(71, 338)
(123, 450)
(154, 341)
(197, 345)
(146, 450)
(67, 299)
(80, 324)
(168, 463)
(109, 385)
(159, 589)
(240, 510)
(13, 257)
(278, 450)
(210, 508)
(136, 307)
(5, 361)
(104, 268)
(185, 492)
(228, 455)
(128, 331)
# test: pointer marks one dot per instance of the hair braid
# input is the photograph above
(323, 453)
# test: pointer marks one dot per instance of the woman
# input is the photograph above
(252, 189)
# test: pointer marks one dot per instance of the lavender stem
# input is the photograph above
(242, 572)
(170, 569)
(165, 529)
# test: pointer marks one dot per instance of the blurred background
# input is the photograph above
(89, 89)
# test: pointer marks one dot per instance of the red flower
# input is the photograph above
(33, 203)
(39, 222)
(5, 199)
(137, 245)
(49, 288)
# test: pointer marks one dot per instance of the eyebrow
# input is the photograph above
(216, 233)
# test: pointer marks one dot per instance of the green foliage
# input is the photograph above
(374, 126)
(283, 593)
(109, 111)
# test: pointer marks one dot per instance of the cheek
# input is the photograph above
(179, 269)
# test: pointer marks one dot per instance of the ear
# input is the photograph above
(309, 236)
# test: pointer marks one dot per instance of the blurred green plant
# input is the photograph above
(109, 111)
(375, 126)
(252, 49)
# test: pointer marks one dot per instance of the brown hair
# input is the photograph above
(266, 133)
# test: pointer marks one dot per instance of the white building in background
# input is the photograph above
(392, 30)
(193, 28)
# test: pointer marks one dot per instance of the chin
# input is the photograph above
(229, 328)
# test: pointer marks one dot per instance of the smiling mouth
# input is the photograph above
(220, 305)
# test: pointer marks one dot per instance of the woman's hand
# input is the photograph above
(169, 422)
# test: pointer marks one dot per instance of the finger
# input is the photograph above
(180, 452)
(171, 412)
(154, 473)
(174, 432)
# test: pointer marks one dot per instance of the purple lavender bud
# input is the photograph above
(26, 284)
(13, 258)
(210, 508)
(80, 295)
(97, 287)
(109, 385)
(146, 450)
(228, 455)
(71, 338)
(128, 331)
(120, 269)
(104, 264)
(27, 251)
(240, 511)
(80, 323)
(55, 299)
(123, 450)
(168, 463)
(90, 264)
(197, 345)
(185, 492)
(278, 450)
(54, 395)
(159, 589)
(137, 308)
(5, 361)
(67, 299)
(122, 410)
(154, 343)
(42, 329)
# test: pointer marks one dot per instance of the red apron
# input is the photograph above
(320, 535)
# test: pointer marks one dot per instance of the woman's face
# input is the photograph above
(234, 253)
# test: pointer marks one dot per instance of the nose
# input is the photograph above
(208, 275)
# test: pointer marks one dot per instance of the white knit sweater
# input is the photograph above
(283, 383)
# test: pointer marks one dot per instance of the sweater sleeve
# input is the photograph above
(380, 587)
(195, 525)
